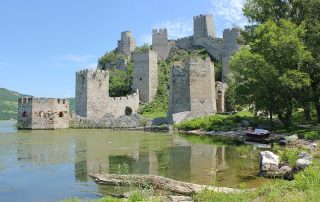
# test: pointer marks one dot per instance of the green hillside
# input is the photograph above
(9, 104)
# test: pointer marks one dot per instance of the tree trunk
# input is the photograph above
(307, 112)
(157, 182)
(316, 100)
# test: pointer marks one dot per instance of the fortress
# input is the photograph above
(43, 113)
(193, 90)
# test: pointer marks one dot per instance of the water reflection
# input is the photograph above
(165, 155)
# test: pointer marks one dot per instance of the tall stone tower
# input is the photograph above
(145, 74)
(192, 89)
(127, 44)
(229, 47)
(203, 27)
(92, 93)
(160, 43)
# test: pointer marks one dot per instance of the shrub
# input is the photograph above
(312, 135)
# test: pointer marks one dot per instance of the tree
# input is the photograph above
(267, 71)
(300, 12)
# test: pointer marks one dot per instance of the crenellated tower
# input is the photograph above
(160, 43)
(127, 44)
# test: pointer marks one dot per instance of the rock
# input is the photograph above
(282, 142)
(314, 145)
(303, 163)
(180, 198)
(285, 169)
(292, 138)
(305, 155)
(268, 161)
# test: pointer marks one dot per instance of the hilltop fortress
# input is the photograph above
(193, 91)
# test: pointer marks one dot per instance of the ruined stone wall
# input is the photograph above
(192, 89)
(203, 27)
(92, 93)
(221, 89)
(229, 47)
(127, 105)
(185, 43)
(92, 96)
(160, 43)
(179, 92)
(202, 87)
(127, 44)
(145, 74)
(43, 113)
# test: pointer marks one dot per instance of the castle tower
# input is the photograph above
(43, 113)
(203, 27)
(145, 74)
(229, 47)
(160, 43)
(127, 44)
(192, 89)
(92, 93)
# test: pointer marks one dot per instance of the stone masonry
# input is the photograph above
(160, 43)
(92, 96)
(221, 89)
(203, 27)
(229, 47)
(145, 74)
(43, 113)
(127, 44)
(192, 89)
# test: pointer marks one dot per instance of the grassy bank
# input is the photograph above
(219, 122)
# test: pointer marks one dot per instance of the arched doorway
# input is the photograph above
(128, 111)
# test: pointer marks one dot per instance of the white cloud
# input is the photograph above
(229, 10)
(177, 28)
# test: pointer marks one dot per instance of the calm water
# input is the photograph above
(54, 165)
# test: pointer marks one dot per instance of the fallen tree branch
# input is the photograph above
(157, 182)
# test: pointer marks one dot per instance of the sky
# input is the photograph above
(43, 43)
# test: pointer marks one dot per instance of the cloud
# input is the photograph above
(177, 28)
(74, 61)
(230, 11)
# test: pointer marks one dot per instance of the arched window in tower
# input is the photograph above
(24, 114)
(128, 111)
(61, 114)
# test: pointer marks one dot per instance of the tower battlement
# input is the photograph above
(203, 26)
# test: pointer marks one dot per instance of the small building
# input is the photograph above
(43, 113)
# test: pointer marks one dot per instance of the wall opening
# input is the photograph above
(41, 114)
(140, 79)
(24, 114)
(61, 114)
(128, 111)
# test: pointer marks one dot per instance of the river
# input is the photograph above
(54, 165)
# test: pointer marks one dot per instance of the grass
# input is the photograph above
(305, 187)
(219, 122)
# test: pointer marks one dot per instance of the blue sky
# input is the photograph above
(43, 43)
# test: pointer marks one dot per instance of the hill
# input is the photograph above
(9, 104)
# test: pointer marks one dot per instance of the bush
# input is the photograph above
(312, 135)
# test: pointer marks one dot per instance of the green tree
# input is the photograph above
(267, 71)
(300, 12)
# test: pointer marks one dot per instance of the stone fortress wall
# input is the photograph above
(145, 74)
(43, 113)
(160, 43)
(192, 89)
(127, 44)
(92, 96)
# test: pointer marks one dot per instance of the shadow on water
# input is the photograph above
(56, 164)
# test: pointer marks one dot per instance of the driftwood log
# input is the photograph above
(157, 182)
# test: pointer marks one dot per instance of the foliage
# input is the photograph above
(289, 156)
(120, 81)
(312, 135)
(217, 122)
(302, 13)
(110, 59)
(159, 106)
(9, 104)
(272, 82)
(143, 48)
